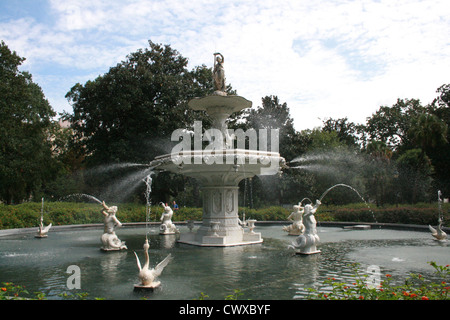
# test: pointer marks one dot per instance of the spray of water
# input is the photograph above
(114, 166)
(350, 187)
(79, 196)
(126, 185)
(148, 182)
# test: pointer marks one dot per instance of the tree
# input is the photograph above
(440, 107)
(272, 114)
(26, 162)
(379, 172)
(128, 114)
(414, 179)
(427, 131)
(346, 131)
(391, 124)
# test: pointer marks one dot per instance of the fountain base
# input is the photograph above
(150, 287)
(308, 253)
(220, 241)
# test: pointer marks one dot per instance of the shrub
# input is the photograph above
(415, 287)
(63, 213)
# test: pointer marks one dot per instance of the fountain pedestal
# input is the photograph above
(219, 171)
(219, 187)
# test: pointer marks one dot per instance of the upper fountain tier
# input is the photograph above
(220, 160)
(220, 166)
(226, 163)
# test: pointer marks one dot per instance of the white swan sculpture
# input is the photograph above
(438, 233)
(42, 231)
(148, 276)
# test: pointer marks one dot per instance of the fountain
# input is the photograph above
(42, 232)
(109, 238)
(219, 167)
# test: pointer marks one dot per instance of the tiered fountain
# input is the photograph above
(219, 168)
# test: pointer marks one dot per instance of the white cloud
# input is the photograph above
(324, 59)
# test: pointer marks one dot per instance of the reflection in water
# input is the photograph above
(261, 271)
(110, 265)
(168, 241)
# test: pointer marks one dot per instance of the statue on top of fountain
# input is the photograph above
(297, 227)
(109, 238)
(219, 75)
(167, 226)
(306, 243)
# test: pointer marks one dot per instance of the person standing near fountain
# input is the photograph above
(306, 243)
(109, 238)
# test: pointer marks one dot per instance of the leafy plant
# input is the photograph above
(415, 287)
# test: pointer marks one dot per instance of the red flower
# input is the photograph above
(388, 275)
(413, 295)
(425, 298)
(3, 289)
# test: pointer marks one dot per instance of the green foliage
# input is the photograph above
(415, 287)
(26, 160)
(27, 215)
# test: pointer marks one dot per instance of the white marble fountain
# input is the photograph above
(219, 167)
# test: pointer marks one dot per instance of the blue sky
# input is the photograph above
(328, 58)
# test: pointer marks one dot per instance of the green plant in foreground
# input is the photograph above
(415, 287)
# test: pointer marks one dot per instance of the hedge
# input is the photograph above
(64, 213)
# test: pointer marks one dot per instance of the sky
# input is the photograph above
(325, 59)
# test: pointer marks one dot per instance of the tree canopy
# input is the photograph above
(26, 161)
(124, 118)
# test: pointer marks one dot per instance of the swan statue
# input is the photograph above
(42, 232)
(438, 233)
(147, 275)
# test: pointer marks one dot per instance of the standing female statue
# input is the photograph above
(219, 74)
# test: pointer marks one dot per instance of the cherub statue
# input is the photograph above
(306, 243)
(167, 227)
(297, 227)
(110, 240)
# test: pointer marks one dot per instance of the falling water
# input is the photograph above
(350, 187)
(42, 209)
(148, 191)
(301, 202)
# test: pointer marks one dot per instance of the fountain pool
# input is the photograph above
(261, 271)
